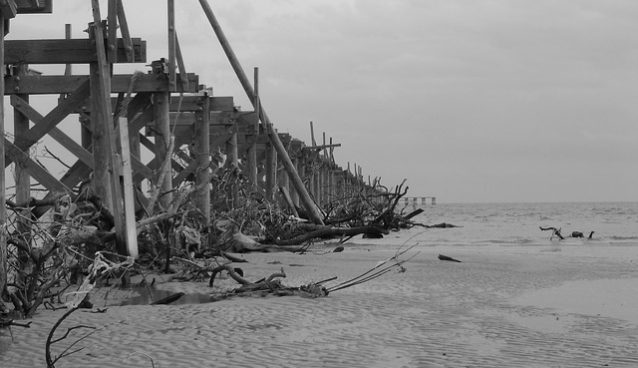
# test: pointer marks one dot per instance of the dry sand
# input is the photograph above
(572, 306)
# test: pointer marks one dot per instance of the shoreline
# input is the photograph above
(502, 306)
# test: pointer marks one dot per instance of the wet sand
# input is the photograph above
(503, 306)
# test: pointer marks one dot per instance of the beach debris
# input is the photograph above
(442, 225)
(381, 268)
(556, 232)
(446, 258)
(169, 299)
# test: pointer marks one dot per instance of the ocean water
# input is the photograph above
(614, 223)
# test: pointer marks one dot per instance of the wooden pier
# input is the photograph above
(167, 110)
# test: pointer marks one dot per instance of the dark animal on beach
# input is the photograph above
(577, 234)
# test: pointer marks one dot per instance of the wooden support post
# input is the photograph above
(272, 134)
(162, 143)
(99, 121)
(202, 154)
(252, 148)
(172, 76)
(112, 31)
(20, 129)
(271, 171)
(129, 196)
(293, 193)
(126, 36)
(102, 118)
(3, 210)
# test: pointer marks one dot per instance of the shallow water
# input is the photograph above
(518, 223)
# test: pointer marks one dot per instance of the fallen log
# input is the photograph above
(169, 299)
(331, 232)
(442, 225)
(446, 258)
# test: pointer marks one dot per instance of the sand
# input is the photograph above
(503, 306)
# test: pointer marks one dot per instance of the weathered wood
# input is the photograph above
(111, 38)
(3, 210)
(25, 110)
(202, 154)
(34, 7)
(194, 103)
(73, 51)
(9, 9)
(54, 84)
(38, 172)
(129, 197)
(271, 171)
(124, 31)
(56, 115)
(162, 143)
(172, 77)
(101, 111)
(20, 128)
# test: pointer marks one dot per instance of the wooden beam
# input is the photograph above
(52, 118)
(126, 35)
(20, 128)
(55, 84)
(38, 172)
(202, 154)
(3, 209)
(194, 103)
(112, 32)
(62, 51)
(34, 7)
(103, 130)
(127, 188)
(8, 8)
(172, 77)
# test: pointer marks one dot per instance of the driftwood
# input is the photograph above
(268, 286)
(557, 233)
(328, 231)
(446, 258)
(442, 225)
(169, 299)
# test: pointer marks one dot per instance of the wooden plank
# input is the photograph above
(129, 197)
(77, 173)
(172, 77)
(162, 146)
(124, 31)
(34, 7)
(112, 32)
(30, 113)
(38, 172)
(3, 209)
(180, 62)
(103, 136)
(20, 127)
(54, 84)
(62, 51)
(49, 121)
(8, 8)
(194, 103)
(202, 153)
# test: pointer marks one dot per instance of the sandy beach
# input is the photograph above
(503, 306)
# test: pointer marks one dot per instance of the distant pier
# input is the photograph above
(416, 202)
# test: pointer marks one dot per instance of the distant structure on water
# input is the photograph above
(417, 202)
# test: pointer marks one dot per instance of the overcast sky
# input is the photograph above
(470, 100)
